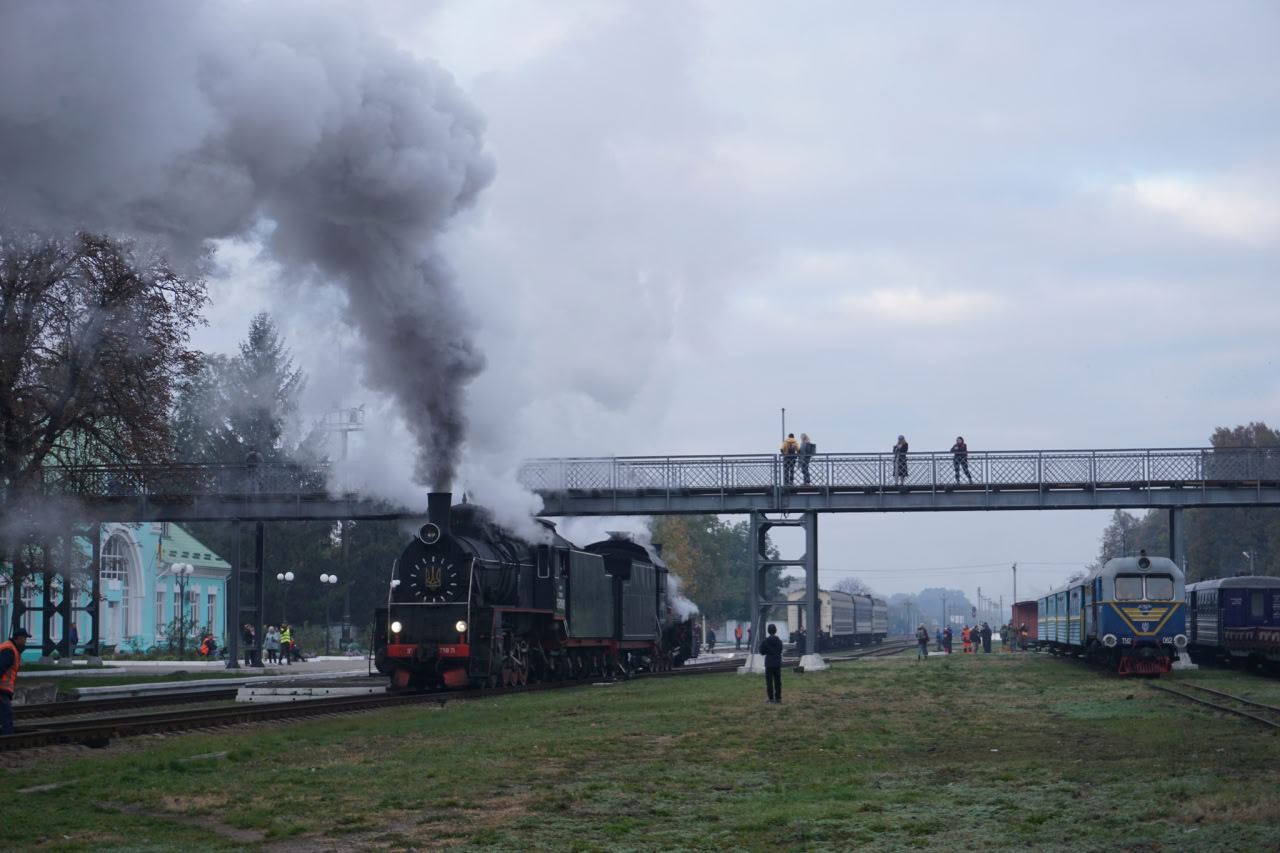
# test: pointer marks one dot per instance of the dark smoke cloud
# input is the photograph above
(197, 120)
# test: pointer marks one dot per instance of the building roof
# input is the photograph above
(179, 546)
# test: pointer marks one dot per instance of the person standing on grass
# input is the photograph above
(939, 633)
(1024, 636)
(771, 648)
(10, 662)
(947, 637)
(965, 639)
(1004, 638)
(986, 638)
(922, 642)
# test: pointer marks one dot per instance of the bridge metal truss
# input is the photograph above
(868, 482)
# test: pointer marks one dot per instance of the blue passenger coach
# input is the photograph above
(1236, 620)
(1128, 614)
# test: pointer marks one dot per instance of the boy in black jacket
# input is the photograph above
(771, 648)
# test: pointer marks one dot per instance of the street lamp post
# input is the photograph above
(285, 578)
(328, 581)
(182, 573)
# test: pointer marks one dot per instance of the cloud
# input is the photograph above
(1222, 209)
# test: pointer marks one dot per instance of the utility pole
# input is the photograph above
(1015, 583)
(344, 421)
(784, 423)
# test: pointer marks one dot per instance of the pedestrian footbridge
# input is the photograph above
(868, 482)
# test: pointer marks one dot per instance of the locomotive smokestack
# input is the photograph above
(438, 506)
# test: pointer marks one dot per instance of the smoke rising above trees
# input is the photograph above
(296, 121)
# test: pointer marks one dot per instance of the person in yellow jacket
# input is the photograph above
(286, 642)
(10, 661)
(790, 449)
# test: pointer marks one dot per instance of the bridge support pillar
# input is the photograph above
(1177, 548)
(762, 563)
(245, 579)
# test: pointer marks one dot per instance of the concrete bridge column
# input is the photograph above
(245, 579)
(1177, 548)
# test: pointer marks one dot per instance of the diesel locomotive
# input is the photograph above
(1129, 614)
(470, 605)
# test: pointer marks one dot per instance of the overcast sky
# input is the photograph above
(1038, 227)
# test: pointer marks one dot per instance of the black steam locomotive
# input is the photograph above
(469, 605)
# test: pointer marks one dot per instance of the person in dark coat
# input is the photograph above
(960, 458)
(938, 632)
(807, 449)
(711, 640)
(900, 462)
(946, 638)
(771, 648)
(922, 643)
(249, 639)
(986, 638)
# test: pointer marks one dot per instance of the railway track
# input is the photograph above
(99, 731)
(1243, 707)
(885, 650)
(98, 706)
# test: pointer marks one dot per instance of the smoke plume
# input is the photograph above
(199, 120)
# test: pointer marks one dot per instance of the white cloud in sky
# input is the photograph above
(1230, 211)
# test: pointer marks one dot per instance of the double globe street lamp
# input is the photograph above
(329, 581)
(285, 578)
(182, 574)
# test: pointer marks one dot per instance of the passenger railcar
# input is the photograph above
(844, 620)
(1128, 614)
(471, 605)
(1235, 620)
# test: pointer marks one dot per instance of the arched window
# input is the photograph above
(115, 566)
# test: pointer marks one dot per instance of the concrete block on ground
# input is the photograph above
(754, 664)
(813, 663)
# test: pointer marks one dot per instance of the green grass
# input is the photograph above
(991, 752)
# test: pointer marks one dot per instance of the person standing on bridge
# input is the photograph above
(252, 460)
(789, 452)
(771, 648)
(10, 661)
(960, 458)
(807, 449)
(900, 462)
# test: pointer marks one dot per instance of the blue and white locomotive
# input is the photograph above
(1236, 620)
(1129, 614)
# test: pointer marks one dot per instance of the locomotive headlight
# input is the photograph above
(1180, 641)
(1110, 641)
(461, 626)
(396, 627)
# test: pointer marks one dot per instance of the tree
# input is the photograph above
(93, 342)
(263, 390)
(713, 559)
(1214, 538)
(853, 586)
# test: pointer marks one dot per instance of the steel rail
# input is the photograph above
(1215, 705)
(97, 706)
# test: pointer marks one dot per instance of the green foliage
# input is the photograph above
(713, 559)
(1214, 538)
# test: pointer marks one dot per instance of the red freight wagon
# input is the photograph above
(1025, 611)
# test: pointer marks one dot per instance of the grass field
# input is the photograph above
(983, 753)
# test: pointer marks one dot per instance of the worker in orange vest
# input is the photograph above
(10, 661)
(737, 636)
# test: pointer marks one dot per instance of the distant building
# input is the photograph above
(140, 593)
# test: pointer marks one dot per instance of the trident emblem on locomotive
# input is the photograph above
(431, 577)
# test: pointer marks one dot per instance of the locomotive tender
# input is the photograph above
(844, 620)
(471, 605)
(1128, 614)
(1236, 620)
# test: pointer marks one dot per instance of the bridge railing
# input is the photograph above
(177, 480)
(1172, 467)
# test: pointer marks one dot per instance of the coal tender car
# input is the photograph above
(845, 620)
(1128, 614)
(1235, 620)
(471, 605)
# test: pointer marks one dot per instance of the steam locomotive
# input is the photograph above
(471, 605)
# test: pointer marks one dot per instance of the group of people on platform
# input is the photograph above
(975, 639)
(802, 451)
(278, 644)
